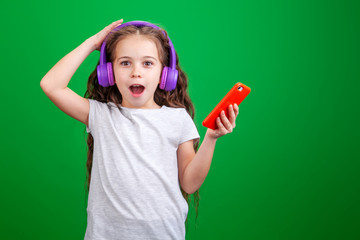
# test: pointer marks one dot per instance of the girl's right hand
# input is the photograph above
(98, 38)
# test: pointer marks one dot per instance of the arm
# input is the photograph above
(193, 168)
(197, 165)
(54, 83)
(58, 77)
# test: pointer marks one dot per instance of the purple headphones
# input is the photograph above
(169, 74)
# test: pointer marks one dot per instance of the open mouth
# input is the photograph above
(137, 89)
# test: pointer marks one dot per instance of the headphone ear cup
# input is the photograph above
(105, 74)
(163, 77)
(110, 74)
(171, 79)
(101, 75)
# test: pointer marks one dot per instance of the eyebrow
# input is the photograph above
(130, 57)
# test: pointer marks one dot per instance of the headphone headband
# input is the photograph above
(172, 63)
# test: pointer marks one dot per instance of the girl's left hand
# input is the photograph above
(225, 125)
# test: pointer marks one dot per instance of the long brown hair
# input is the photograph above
(178, 98)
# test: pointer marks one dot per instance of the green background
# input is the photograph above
(289, 170)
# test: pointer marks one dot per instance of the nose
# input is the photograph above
(135, 75)
(135, 72)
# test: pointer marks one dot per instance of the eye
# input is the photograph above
(149, 62)
(124, 62)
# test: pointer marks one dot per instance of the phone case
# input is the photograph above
(236, 95)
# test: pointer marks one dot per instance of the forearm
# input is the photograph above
(59, 75)
(198, 168)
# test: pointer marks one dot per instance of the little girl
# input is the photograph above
(143, 161)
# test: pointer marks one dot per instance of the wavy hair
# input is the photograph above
(178, 98)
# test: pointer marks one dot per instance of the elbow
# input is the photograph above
(45, 86)
(42, 84)
(189, 185)
(189, 190)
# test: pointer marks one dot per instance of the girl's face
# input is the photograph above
(137, 63)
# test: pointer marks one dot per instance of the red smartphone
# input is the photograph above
(236, 95)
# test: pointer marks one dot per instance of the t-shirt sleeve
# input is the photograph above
(188, 130)
(91, 115)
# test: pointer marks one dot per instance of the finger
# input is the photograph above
(232, 115)
(236, 108)
(221, 127)
(108, 29)
(117, 22)
(114, 25)
(226, 122)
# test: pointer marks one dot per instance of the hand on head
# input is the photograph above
(98, 38)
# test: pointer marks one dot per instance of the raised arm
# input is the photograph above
(55, 82)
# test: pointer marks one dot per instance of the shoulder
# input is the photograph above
(101, 105)
(97, 102)
(175, 111)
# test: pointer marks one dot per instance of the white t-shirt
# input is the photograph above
(134, 189)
